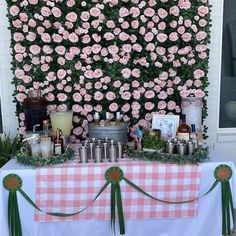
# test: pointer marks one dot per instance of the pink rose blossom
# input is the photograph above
(186, 37)
(45, 11)
(78, 131)
(162, 95)
(202, 10)
(163, 76)
(98, 108)
(126, 95)
(199, 93)
(85, 16)
(202, 22)
(94, 11)
(71, 16)
(134, 11)
(198, 74)
(125, 108)
(110, 24)
(149, 12)
(126, 73)
(149, 106)
(137, 47)
(184, 93)
(136, 94)
(17, 23)
(149, 94)
(162, 13)
(126, 118)
(184, 4)
(61, 73)
(197, 83)
(77, 97)
(123, 36)
(113, 107)
(56, 12)
(73, 37)
(108, 36)
(123, 12)
(110, 96)
(148, 37)
(60, 50)
(181, 29)
(97, 73)
(62, 108)
(135, 73)
(35, 49)
(98, 96)
(174, 11)
(173, 36)
(201, 35)
(162, 37)
(117, 84)
(20, 88)
(135, 24)
(14, 10)
(161, 105)
(60, 86)
(188, 23)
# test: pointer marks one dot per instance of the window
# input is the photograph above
(228, 68)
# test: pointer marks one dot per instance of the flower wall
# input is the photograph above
(133, 56)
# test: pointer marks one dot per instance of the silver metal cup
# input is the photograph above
(83, 154)
(112, 153)
(98, 153)
(180, 149)
(91, 151)
(120, 150)
(105, 151)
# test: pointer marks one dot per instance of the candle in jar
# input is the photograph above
(117, 115)
(107, 115)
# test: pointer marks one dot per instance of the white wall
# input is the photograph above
(225, 139)
(10, 122)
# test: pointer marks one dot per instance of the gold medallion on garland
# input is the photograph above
(114, 175)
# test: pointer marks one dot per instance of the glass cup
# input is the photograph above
(45, 146)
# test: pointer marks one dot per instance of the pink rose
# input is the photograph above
(61, 97)
(148, 37)
(61, 73)
(136, 94)
(125, 25)
(76, 108)
(162, 13)
(135, 73)
(135, 24)
(123, 36)
(77, 97)
(46, 38)
(117, 84)
(113, 107)
(163, 76)
(71, 16)
(56, 12)
(35, 49)
(199, 93)
(149, 94)
(202, 10)
(162, 37)
(197, 83)
(126, 73)
(78, 131)
(20, 97)
(60, 86)
(184, 4)
(96, 48)
(134, 11)
(135, 106)
(60, 50)
(149, 12)
(45, 11)
(47, 49)
(198, 74)
(188, 23)
(94, 11)
(181, 29)
(162, 95)
(126, 107)
(161, 26)
(186, 37)
(57, 38)
(14, 10)
(33, 2)
(161, 105)
(108, 36)
(20, 88)
(110, 96)
(123, 12)
(173, 36)
(126, 95)
(110, 24)
(184, 93)
(137, 47)
(161, 50)
(174, 11)
(149, 105)
(202, 22)
(85, 16)
(97, 73)
(73, 37)
(62, 108)
(17, 23)
(201, 35)
(98, 108)
(98, 96)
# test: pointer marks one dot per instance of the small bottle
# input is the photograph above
(58, 143)
(97, 119)
(193, 135)
(183, 131)
(107, 121)
(45, 128)
(118, 117)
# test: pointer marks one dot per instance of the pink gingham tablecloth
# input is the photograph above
(69, 188)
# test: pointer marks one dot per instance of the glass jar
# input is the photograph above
(35, 108)
(192, 108)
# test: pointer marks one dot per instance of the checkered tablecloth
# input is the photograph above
(70, 188)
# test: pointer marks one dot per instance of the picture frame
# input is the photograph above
(167, 124)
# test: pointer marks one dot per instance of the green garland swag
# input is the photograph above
(114, 175)
(23, 157)
(199, 155)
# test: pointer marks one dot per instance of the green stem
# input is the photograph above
(120, 210)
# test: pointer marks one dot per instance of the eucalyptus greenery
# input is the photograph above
(8, 147)
(199, 155)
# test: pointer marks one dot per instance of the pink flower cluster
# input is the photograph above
(133, 56)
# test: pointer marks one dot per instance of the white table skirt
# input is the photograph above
(208, 222)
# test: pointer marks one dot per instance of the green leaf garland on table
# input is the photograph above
(199, 155)
(23, 157)
(113, 176)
